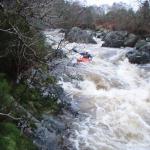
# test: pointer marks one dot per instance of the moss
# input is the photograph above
(50, 105)
(51, 80)
(5, 93)
(11, 139)
(34, 101)
(30, 98)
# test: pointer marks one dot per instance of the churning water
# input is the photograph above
(113, 100)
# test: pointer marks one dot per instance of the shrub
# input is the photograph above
(11, 138)
(6, 98)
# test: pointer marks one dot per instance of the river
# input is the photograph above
(112, 98)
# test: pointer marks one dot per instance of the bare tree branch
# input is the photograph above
(9, 116)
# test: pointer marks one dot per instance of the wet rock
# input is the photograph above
(64, 31)
(100, 34)
(147, 39)
(79, 36)
(114, 39)
(46, 140)
(141, 55)
(48, 134)
(53, 124)
(57, 54)
(140, 43)
(70, 78)
(145, 48)
(131, 40)
(91, 32)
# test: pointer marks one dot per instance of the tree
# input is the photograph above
(143, 17)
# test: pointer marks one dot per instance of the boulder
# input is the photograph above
(140, 43)
(131, 40)
(53, 124)
(64, 31)
(141, 55)
(114, 39)
(45, 139)
(100, 34)
(79, 36)
(145, 48)
(91, 32)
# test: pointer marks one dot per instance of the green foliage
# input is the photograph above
(11, 138)
(26, 94)
(31, 98)
(50, 80)
(37, 103)
(22, 47)
(6, 98)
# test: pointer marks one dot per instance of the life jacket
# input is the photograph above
(82, 59)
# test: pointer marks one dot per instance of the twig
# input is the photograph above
(9, 116)
(10, 32)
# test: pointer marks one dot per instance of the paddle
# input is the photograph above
(74, 50)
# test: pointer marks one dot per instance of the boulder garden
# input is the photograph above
(79, 36)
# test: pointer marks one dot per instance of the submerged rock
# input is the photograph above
(79, 36)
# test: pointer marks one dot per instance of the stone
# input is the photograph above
(114, 39)
(140, 43)
(53, 124)
(79, 36)
(45, 139)
(131, 40)
(141, 55)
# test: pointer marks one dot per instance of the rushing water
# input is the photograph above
(113, 100)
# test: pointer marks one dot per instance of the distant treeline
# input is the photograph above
(117, 17)
(66, 14)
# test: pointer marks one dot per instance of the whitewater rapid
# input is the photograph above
(113, 99)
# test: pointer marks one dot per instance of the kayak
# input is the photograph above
(85, 60)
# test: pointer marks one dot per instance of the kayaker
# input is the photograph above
(86, 55)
